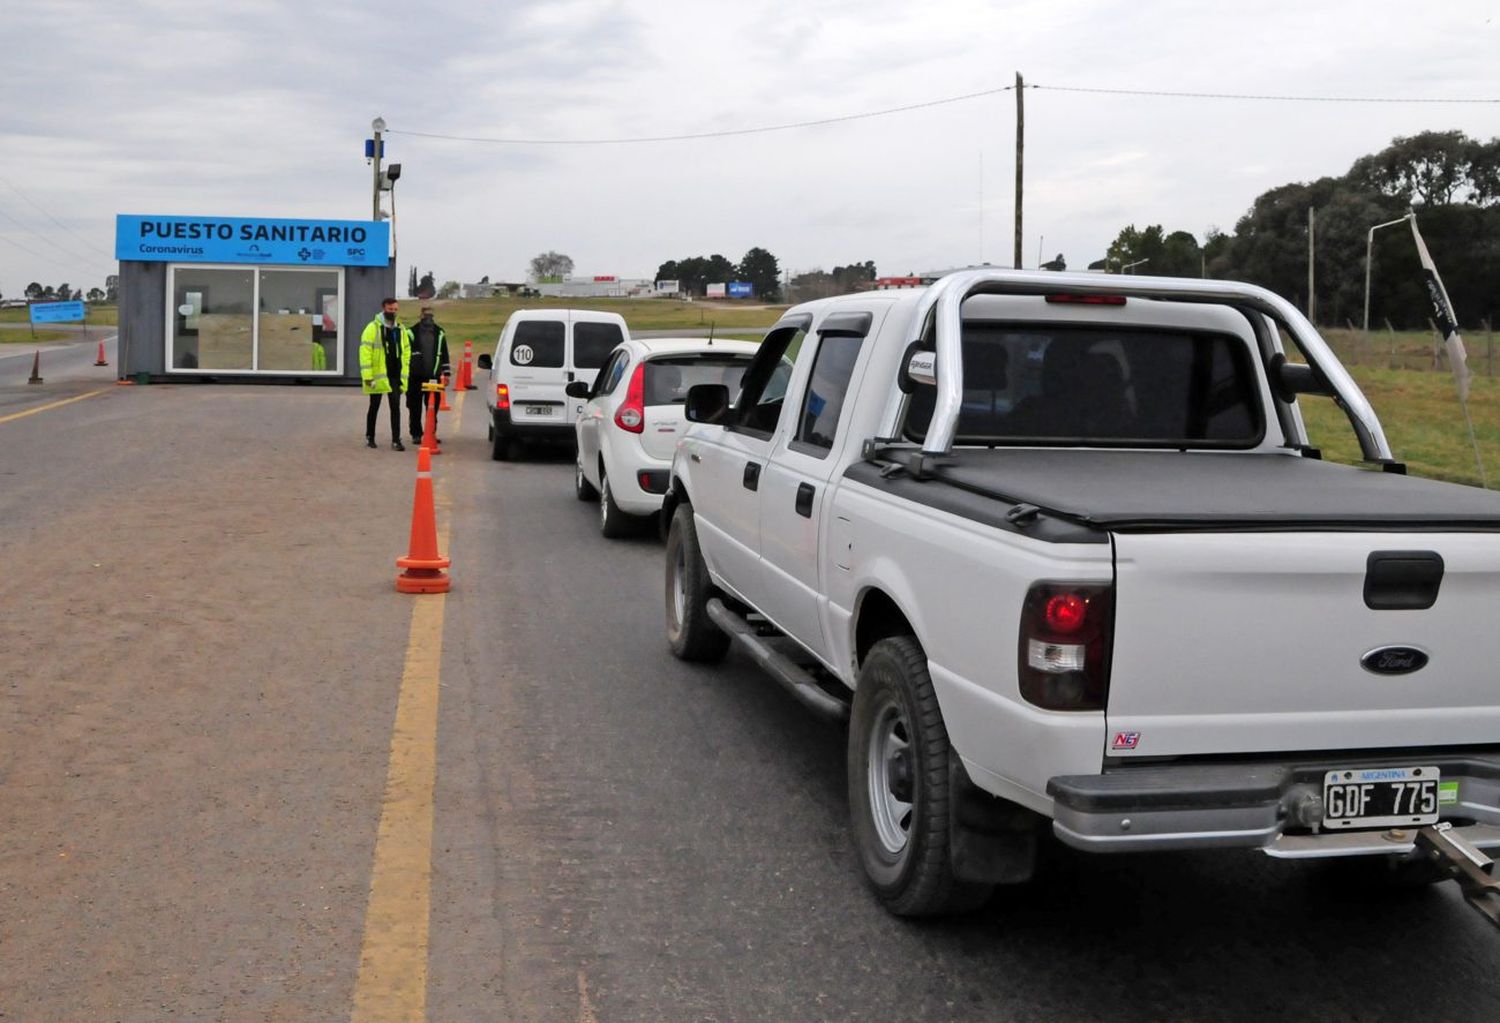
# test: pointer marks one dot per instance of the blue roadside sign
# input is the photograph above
(168, 239)
(56, 312)
(741, 289)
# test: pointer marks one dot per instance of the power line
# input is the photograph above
(59, 223)
(53, 260)
(1257, 96)
(89, 261)
(705, 134)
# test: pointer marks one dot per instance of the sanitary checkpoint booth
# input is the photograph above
(245, 299)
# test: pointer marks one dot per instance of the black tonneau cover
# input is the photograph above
(1126, 491)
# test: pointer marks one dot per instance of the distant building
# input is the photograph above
(598, 286)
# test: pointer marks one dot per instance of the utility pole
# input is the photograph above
(378, 126)
(1312, 303)
(1020, 151)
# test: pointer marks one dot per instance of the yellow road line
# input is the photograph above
(392, 983)
(51, 405)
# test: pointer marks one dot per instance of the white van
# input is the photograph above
(540, 352)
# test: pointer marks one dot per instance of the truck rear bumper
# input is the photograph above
(1273, 807)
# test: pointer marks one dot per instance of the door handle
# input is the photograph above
(804, 499)
(752, 476)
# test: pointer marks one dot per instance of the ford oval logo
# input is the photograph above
(1394, 660)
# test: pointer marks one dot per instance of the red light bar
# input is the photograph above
(1087, 299)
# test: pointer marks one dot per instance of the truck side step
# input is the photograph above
(763, 650)
(1466, 864)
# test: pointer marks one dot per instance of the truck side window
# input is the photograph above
(833, 365)
(763, 391)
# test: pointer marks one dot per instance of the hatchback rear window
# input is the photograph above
(538, 344)
(668, 379)
(1097, 385)
(592, 343)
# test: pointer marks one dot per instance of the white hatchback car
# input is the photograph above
(632, 417)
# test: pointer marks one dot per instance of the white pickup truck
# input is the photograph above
(1058, 547)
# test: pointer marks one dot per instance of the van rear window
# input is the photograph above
(1051, 384)
(592, 343)
(668, 379)
(538, 344)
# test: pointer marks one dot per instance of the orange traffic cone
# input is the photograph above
(443, 394)
(423, 566)
(468, 369)
(100, 361)
(36, 369)
(429, 426)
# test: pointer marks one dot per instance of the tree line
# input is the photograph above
(695, 273)
(65, 292)
(1451, 182)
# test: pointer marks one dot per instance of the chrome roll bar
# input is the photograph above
(943, 303)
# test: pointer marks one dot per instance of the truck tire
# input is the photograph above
(899, 786)
(691, 633)
(581, 485)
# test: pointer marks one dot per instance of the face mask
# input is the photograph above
(390, 317)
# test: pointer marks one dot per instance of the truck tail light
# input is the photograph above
(502, 396)
(1067, 631)
(1090, 299)
(632, 414)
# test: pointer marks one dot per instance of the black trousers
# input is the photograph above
(416, 409)
(392, 400)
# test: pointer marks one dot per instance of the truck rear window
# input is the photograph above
(668, 379)
(1053, 384)
(592, 343)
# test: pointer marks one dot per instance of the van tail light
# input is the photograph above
(1067, 633)
(502, 396)
(631, 415)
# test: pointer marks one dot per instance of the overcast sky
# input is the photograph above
(261, 108)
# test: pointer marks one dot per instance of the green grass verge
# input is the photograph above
(21, 337)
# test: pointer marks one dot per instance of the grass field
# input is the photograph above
(480, 320)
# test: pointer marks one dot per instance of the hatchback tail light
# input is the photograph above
(502, 396)
(631, 415)
(1067, 631)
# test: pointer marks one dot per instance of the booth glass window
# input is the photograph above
(213, 317)
(255, 319)
(299, 317)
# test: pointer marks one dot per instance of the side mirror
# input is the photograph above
(1290, 379)
(706, 403)
(484, 360)
(918, 366)
(577, 389)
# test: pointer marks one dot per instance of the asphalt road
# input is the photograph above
(204, 653)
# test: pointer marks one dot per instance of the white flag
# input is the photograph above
(1443, 316)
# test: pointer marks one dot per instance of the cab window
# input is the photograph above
(833, 366)
(763, 391)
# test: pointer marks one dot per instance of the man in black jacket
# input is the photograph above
(429, 361)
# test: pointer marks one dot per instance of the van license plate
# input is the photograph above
(538, 410)
(1380, 797)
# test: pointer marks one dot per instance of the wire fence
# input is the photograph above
(1410, 349)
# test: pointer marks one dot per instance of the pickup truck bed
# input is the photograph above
(1145, 491)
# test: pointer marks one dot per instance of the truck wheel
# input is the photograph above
(898, 786)
(581, 485)
(692, 634)
(613, 523)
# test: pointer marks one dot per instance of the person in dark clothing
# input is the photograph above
(384, 360)
(429, 361)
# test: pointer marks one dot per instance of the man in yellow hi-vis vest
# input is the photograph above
(384, 360)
